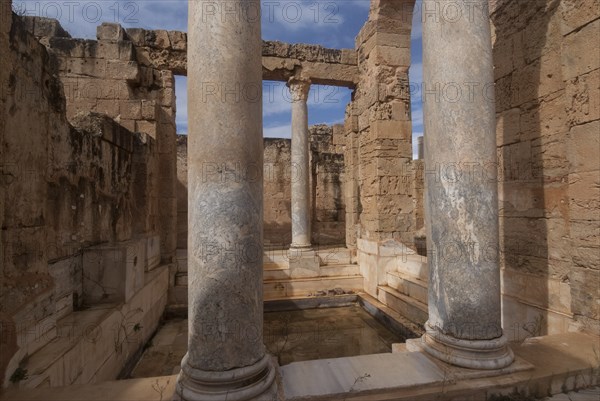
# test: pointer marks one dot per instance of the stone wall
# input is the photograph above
(277, 193)
(380, 185)
(379, 129)
(327, 183)
(109, 77)
(67, 185)
(327, 166)
(548, 104)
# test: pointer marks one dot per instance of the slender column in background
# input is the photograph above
(301, 234)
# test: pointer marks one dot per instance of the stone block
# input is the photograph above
(113, 273)
(349, 57)
(583, 98)
(123, 70)
(137, 36)
(147, 127)
(130, 109)
(47, 27)
(582, 148)
(126, 51)
(577, 13)
(153, 252)
(391, 129)
(161, 39)
(178, 40)
(67, 47)
(303, 263)
(391, 56)
(108, 50)
(108, 107)
(87, 67)
(110, 31)
(577, 57)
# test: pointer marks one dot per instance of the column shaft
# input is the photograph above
(464, 326)
(301, 228)
(226, 358)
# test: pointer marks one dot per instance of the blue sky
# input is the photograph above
(333, 24)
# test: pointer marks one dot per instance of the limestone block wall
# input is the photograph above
(66, 184)
(379, 129)
(277, 192)
(109, 77)
(548, 104)
(327, 181)
(327, 167)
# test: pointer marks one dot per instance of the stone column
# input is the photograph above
(303, 260)
(420, 148)
(300, 165)
(226, 358)
(464, 326)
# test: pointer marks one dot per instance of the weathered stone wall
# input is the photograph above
(108, 77)
(327, 185)
(277, 193)
(548, 104)
(380, 189)
(327, 180)
(379, 125)
(64, 188)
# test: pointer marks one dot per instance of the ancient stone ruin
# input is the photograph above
(221, 265)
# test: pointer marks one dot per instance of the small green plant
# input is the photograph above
(18, 375)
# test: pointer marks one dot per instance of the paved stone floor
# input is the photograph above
(291, 336)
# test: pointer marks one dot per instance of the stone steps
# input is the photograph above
(414, 266)
(412, 309)
(278, 284)
(279, 259)
(306, 287)
(273, 272)
(410, 286)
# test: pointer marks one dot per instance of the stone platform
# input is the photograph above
(561, 363)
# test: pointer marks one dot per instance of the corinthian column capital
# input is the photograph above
(299, 88)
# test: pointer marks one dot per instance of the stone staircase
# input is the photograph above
(337, 272)
(406, 289)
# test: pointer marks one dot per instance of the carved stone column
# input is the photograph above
(303, 259)
(226, 358)
(464, 326)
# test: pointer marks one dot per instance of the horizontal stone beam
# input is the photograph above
(168, 50)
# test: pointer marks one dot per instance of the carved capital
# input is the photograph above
(299, 88)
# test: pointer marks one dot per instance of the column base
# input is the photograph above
(256, 382)
(472, 354)
(303, 262)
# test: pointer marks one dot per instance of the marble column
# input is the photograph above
(226, 358)
(420, 148)
(304, 261)
(464, 326)
(300, 165)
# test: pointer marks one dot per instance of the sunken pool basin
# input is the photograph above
(294, 330)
